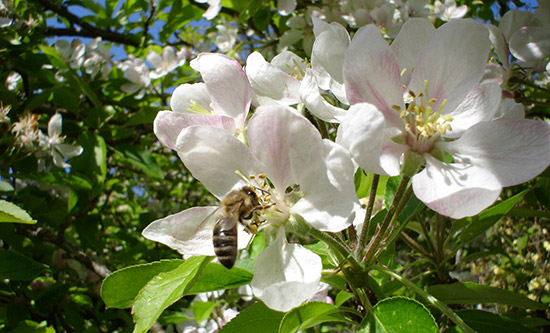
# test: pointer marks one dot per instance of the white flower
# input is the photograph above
(279, 80)
(12, 80)
(72, 53)
(137, 73)
(222, 100)
(25, 130)
(165, 63)
(448, 10)
(308, 178)
(98, 59)
(54, 143)
(423, 95)
(214, 7)
(226, 37)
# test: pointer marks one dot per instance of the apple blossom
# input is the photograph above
(137, 73)
(278, 80)
(222, 100)
(439, 110)
(54, 143)
(448, 10)
(299, 175)
(166, 62)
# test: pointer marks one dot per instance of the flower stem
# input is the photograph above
(434, 301)
(366, 223)
(393, 212)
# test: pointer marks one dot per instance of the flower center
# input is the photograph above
(295, 70)
(273, 208)
(195, 107)
(422, 123)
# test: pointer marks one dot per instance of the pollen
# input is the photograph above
(422, 122)
(195, 107)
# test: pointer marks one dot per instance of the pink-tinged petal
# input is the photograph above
(285, 275)
(408, 44)
(372, 73)
(514, 150)
(316, 104)
(286, 7)
(188, 232)
(327, 58)
(284, 143)
(270, 81)
(363, 133)
(452, 62)
(455, 190)
(500, 45)
(227, 84)
(213, 155)
(168, 125)
(531, 43)
(186, 93)
(481, 104)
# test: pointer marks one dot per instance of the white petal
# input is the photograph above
(58, 160)
(188, 232)
(514, 150)
(531, 43)
(154, 59)
(282, 142)
(270, 81)
(499, 43)
(327, 59)
(213, 155)
(227, 83)
(214, 8)
(54, 125)
(452, 62)
(185, 93)
(316, 104)
(410, 41)
(372, 73)
(363, 133)
(481, 104)
(455, 190)
(285, 275)
(168, 125)
(510, 109)
(513, 20)
(286, 7)
(68, 150)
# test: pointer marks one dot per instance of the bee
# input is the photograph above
(239, 206)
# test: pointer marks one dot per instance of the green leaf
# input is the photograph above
(489, 217)
(15, 266)
(92, 162)
(253, 319)
(29, 326)
(141, 159)
(401, 315)
(121, 287)
(202, 310)
(472, 293)
(311, 314)
(483, 321)
(216, 277)
(5, 186)
(165, 289)
(11, 213)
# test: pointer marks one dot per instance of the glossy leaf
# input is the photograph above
(255, 318)
(120, 288)
(12, 213)
(311, 314)
(472, 293)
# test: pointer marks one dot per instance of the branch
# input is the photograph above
(87, 30)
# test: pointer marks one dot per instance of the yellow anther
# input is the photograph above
(396, 107)
(403, 71)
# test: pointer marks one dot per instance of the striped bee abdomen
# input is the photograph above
(225, 241)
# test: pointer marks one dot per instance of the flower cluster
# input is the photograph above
(419, 107)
